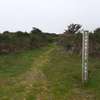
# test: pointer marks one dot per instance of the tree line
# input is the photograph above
(71, 40)
(19, 41)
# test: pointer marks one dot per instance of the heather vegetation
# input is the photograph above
(20, 41)
(71, 40)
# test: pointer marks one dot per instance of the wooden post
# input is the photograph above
(85, 40)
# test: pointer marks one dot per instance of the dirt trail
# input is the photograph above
(36, 76)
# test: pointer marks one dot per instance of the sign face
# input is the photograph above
(85, 40)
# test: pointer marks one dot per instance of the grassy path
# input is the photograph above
(35, 76)
(47, 74)
(22, 86)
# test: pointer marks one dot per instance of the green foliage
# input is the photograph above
(20, 41)
(97, 35)
(73, 42)
(73, 28)
(38, 39)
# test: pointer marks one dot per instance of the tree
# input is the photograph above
(71, 41)
(36, 30)
(73, 28)
(97, 34)
(97, 30)
(96, 42)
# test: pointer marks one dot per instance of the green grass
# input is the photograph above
(17, 63)
(47, 74)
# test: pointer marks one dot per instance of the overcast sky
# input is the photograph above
(48, 15)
